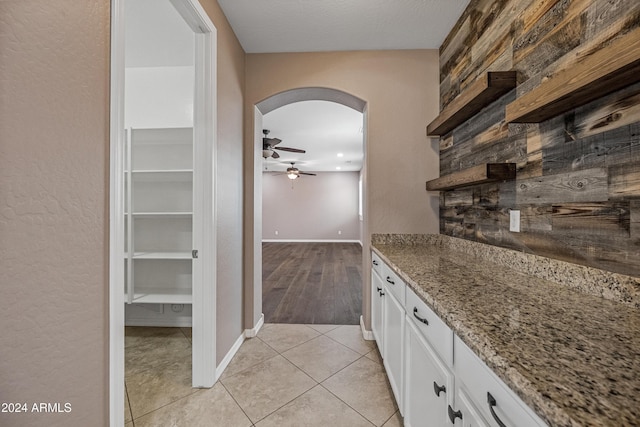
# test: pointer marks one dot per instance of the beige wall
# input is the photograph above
(310, 207)
(228, 172)
(54, 138)
(401, 91)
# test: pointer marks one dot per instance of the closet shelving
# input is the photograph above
(159, 216)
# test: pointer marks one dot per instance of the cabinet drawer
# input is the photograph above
(393, 283)
(436, 332)
(479, 381)
(376, 263)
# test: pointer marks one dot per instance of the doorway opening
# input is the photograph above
(311, 222)
(260, 180)
(162, 147)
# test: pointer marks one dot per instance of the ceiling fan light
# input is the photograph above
(292, 175)
(267, 153)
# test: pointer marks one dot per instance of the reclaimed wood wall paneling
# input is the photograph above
(578, 178)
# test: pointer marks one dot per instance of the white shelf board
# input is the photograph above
(167, 171)
(160, 255)
(162, 296)
(161, 214)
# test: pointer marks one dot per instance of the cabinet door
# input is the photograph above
(377, 298)
(429, 384)
(468, 415)
(392, 353)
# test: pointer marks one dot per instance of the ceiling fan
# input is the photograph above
(269, 145)
(293, 172)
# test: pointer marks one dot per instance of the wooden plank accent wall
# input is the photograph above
(578, 173)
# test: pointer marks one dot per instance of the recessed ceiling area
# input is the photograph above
(268, 26)
(330, 133)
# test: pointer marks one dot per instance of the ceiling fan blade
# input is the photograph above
(271, 141)
(275, 155)
(292, 150)
(306, 173)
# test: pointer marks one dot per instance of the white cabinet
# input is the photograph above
(429, 385)
(387, 320)
(436, 379)
(392, 345)
(377, 306)
(159, 209)
(465, 414)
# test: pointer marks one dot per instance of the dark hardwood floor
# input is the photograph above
(312, 283)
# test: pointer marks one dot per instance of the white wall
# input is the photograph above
(311, 207)
(159, 97)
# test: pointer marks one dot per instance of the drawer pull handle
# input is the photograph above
(454, 414)
(439, 388)
(374, 262)
(415, 314)
(492, 402)
(390, 281)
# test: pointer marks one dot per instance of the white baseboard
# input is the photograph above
(227, 358)
(367, 335)
(309, 241)
(250, 333)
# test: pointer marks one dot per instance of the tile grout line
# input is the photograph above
(354, 409)
(237, 403)
(126, 393)
(198, 390)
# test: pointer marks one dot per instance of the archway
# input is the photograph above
(253, 195)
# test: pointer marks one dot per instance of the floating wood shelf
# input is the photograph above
(488, 172)
(596, 75)
(478, 95)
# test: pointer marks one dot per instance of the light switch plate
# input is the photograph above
(514, 221)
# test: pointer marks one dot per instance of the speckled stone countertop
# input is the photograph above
(572, 356)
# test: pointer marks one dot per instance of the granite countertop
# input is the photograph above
(574, 358)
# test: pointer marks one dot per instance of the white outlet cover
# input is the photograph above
(514, 221)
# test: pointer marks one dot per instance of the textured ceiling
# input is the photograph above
(323, 129)
(265, 26)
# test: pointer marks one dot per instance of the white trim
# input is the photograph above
(229, 356)
(250, 333)
(116, 219)
(367, 335)
(164, 323)
(204, 134)
(310, 241)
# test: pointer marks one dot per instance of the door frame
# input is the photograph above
(204, 268)
(252, 281)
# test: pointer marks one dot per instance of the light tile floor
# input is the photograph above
(289, 375)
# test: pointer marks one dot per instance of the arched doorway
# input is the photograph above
(253, 194)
